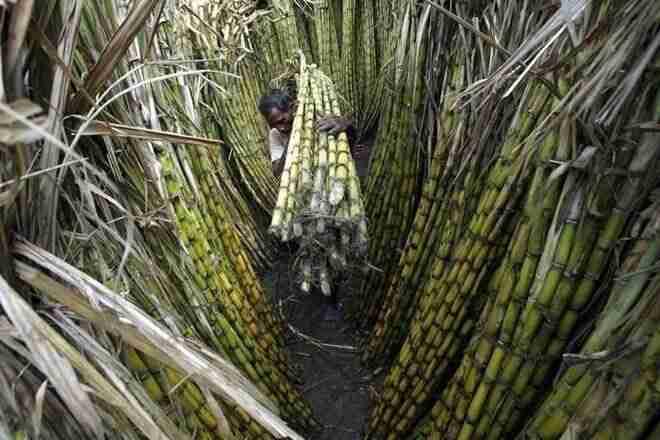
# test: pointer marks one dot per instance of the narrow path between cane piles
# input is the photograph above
(335, 384)
(339, 389)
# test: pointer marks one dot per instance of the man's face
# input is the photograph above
(282, 121)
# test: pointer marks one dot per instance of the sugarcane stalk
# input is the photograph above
(321, 172)
(349, 21)
(157, 384)
(285, 199)
(338, 173)
(368, 90)
(307, 146)
(639, 404)
(306, 172)
(395, 171)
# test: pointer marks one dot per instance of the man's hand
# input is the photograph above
(333, 125)
(360, 151)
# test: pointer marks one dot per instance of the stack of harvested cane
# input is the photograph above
(319, 201)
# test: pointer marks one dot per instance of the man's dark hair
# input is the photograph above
(276, 98)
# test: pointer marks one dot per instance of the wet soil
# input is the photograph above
(337, 387)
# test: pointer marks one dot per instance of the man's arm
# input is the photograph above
(277, 152)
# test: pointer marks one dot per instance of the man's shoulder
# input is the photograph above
(275, 135)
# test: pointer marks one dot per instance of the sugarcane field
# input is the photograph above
(330, 219)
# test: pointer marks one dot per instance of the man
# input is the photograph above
(279, 111)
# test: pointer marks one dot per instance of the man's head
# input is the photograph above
(277, 108)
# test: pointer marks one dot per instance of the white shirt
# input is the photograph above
(278, 143)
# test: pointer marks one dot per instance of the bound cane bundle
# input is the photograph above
(319, 203)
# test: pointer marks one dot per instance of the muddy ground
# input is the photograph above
(337, 387)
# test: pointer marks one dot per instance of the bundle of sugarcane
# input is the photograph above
(230, 256)
(392, 185)
(505, 375)
(292, 28)
(319, 202)
(344, 28)
(226, 100)
(253, 344)
(625, 330)
(457, 268)
(241, 212)
(446, 187)
(227, 318)
(253, 315)
(222, 214)
(286, 27)
(552, 270)
(435, 333)
(414, 265)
